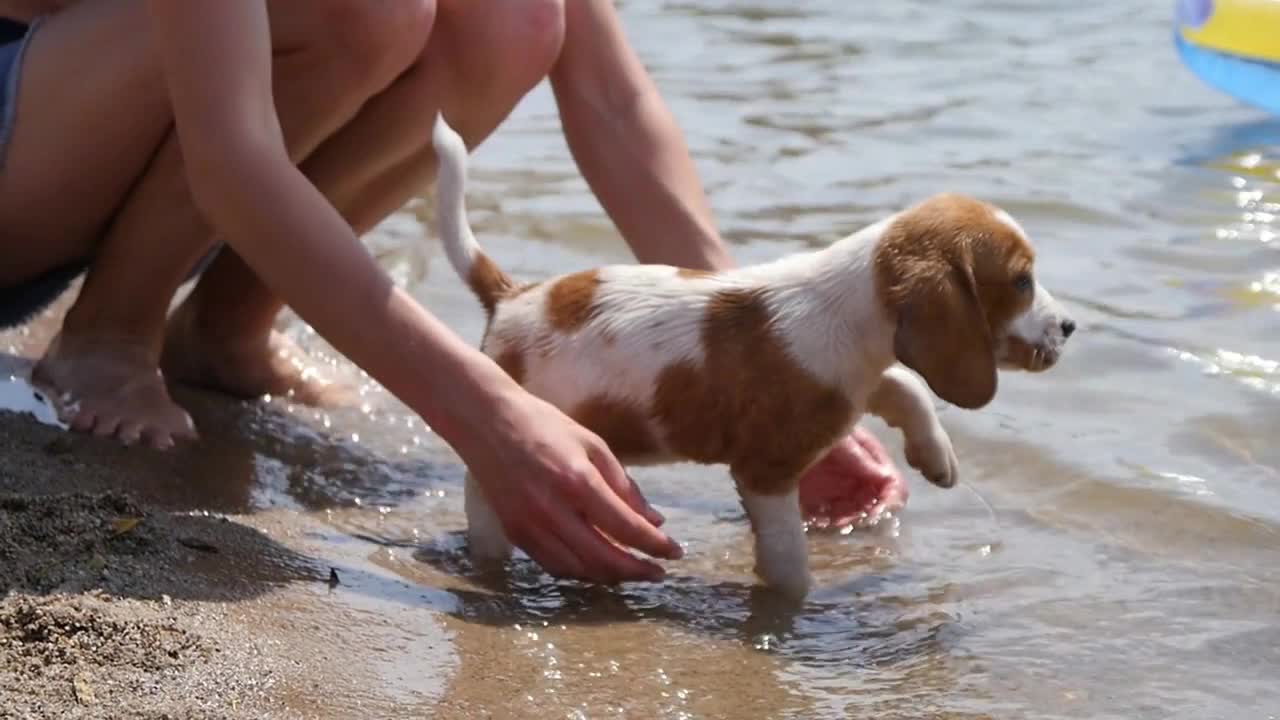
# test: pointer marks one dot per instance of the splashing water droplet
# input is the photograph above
(767, 641)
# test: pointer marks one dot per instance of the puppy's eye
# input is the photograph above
(1023, 282)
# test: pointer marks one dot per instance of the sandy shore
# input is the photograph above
(116, 606)
(123, 596)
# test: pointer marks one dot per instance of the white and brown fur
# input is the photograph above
(764, 368)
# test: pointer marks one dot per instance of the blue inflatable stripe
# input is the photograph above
(1253, 82)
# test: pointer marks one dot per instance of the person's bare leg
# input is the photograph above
(106, 358)
(71, 161)
(481, 59)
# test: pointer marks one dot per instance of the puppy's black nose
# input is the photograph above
(1068, 327)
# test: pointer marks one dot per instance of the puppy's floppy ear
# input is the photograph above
(943, 335)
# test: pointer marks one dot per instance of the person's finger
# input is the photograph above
(871, 447)
(651, 513)
(886, 497)
(852, 512)
(602, 560)
(540, 542)
(622, 483)
(862, 451)
(606, 510)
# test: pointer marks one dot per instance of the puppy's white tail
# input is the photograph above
(475, 268)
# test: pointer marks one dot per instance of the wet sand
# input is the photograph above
(133, 584)
(118, 604)
(89, 626)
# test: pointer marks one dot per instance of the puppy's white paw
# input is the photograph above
(486, 540)
(934, 457)
(485, 547)
(789, 578)
(781, 547)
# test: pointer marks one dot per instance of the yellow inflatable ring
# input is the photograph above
(1233, 46)
(1246, 28)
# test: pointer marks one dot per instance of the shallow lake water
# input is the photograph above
(1115, 551)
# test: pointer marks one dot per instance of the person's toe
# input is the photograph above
(130, 432)
(177, 426)
(106, 425)
(159, 438)
(82, 419)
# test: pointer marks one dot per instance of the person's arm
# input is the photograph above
(627, 144)
(216, 58)
(215, 55)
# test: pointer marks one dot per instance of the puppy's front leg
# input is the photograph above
(486, 540)
(781, 548)
(903, 401)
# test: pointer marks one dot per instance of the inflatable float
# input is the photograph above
(1233, 46)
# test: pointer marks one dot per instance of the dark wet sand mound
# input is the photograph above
(89, 623)
(80, 541)
(112, 606)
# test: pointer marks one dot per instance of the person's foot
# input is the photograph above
(111, 387)
(855, 484)
(246, 367)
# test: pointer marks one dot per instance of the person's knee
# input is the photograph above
(539, 34)
(375, 40)
(502, 48)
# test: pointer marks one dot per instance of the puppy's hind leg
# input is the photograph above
(486, 540)
(781, 548)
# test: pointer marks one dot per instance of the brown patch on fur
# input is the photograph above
(571, 299)
(692, 273)
(948, 268)
(489, 283)
(750, 405)
(511, 360)
(624, 428)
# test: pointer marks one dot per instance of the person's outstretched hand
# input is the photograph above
(562, 496)
(855, 484)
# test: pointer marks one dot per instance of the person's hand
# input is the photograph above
(562, 496)
(855, 484)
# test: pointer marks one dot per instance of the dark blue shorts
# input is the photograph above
(13, 48)
(20, 303)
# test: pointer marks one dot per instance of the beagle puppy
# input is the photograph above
(764, 368)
